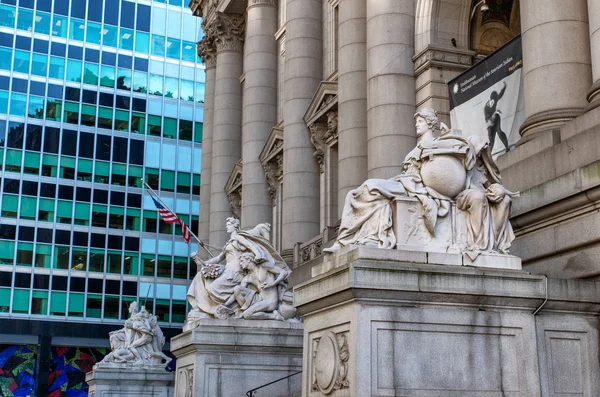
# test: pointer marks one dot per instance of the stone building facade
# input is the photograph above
(306, 99)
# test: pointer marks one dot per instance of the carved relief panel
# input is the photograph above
(329, 364)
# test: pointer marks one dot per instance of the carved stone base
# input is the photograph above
(380, 323)
(227, 358)
(127, 381)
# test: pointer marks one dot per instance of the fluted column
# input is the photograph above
(557, 77)
(594, 17)
(227, 124)
(390, 85)
(303, 72)
(206, 50)
(352, 98)
(260, 107)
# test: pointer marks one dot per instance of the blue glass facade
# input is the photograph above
(94, 96)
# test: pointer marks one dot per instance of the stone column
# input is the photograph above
(390, 85)
(594, 16)
(303, 72)
(206, 50)
(260, 107)
(352, 98)
(227, 124)
(556, 77)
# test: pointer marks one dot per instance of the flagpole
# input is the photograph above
(167, 207)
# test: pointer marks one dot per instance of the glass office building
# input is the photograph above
(94, 96)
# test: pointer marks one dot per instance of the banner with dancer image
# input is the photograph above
(487, 99)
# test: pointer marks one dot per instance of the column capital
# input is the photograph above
(272, 3)
(206, 47)
(229, 32)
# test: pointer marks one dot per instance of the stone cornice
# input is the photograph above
(442, 57)
(229, 32)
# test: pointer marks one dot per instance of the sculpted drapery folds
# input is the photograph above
(248, 279)
(229, 32)
(437, 172)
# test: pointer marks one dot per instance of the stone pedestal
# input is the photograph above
(227, 358)
(386, 323)
(128, 381)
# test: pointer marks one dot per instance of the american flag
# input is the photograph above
(169, 217)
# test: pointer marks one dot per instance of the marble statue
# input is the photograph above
(438, 172)
(139, 343)
(248, 279)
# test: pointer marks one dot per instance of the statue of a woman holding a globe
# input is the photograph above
(437, 172)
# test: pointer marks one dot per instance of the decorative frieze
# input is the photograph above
(448, 58)
(252, 3)
(229, 32)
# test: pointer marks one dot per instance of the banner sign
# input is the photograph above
(487, 99)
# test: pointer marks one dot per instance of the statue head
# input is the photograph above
(133, 308)
(246, 259)
(426, 120)
(232, 224)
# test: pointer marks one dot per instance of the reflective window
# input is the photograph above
(42, 22)
(93, 32)
(71, 113)
(110, 16)
(154, 125)
(88, 115)
(57, 68)
(174, 24)
(8, 16)
(59, 25)
(21, 61)
(110, 34)
(126, 39)
(36, 107)
(173, 48)
(171, 88)
(74, 70)
(105, 119)
(185, 130)
(6, 56)
(39, 65)
(184, 159)
(3, 109)
(124, 79)
(143, 18)
(142, 42)
(189, 32)
(77, 30)
(158, 45)
(95, 11)
(138, 123)
(127, 14)
(152, 154)
(169, 156)
(54, 109)
(107, 76)
(17, 105)
(140, 82)
(121, 120)
(187, 90)
(155, 85)
(170, 128)
(61, 7)
(159, 19)
(25, 19)
(189, 51)
(90, 73)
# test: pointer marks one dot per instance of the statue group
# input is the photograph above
(440, 172)
(139, 343)
(247, 279)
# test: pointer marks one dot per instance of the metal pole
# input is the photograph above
(167, 207)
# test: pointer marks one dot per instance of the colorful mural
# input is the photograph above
(66, 373)
(68, 368)
(17, 370)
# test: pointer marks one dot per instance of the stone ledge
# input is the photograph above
(373, 275)
(243, 335)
